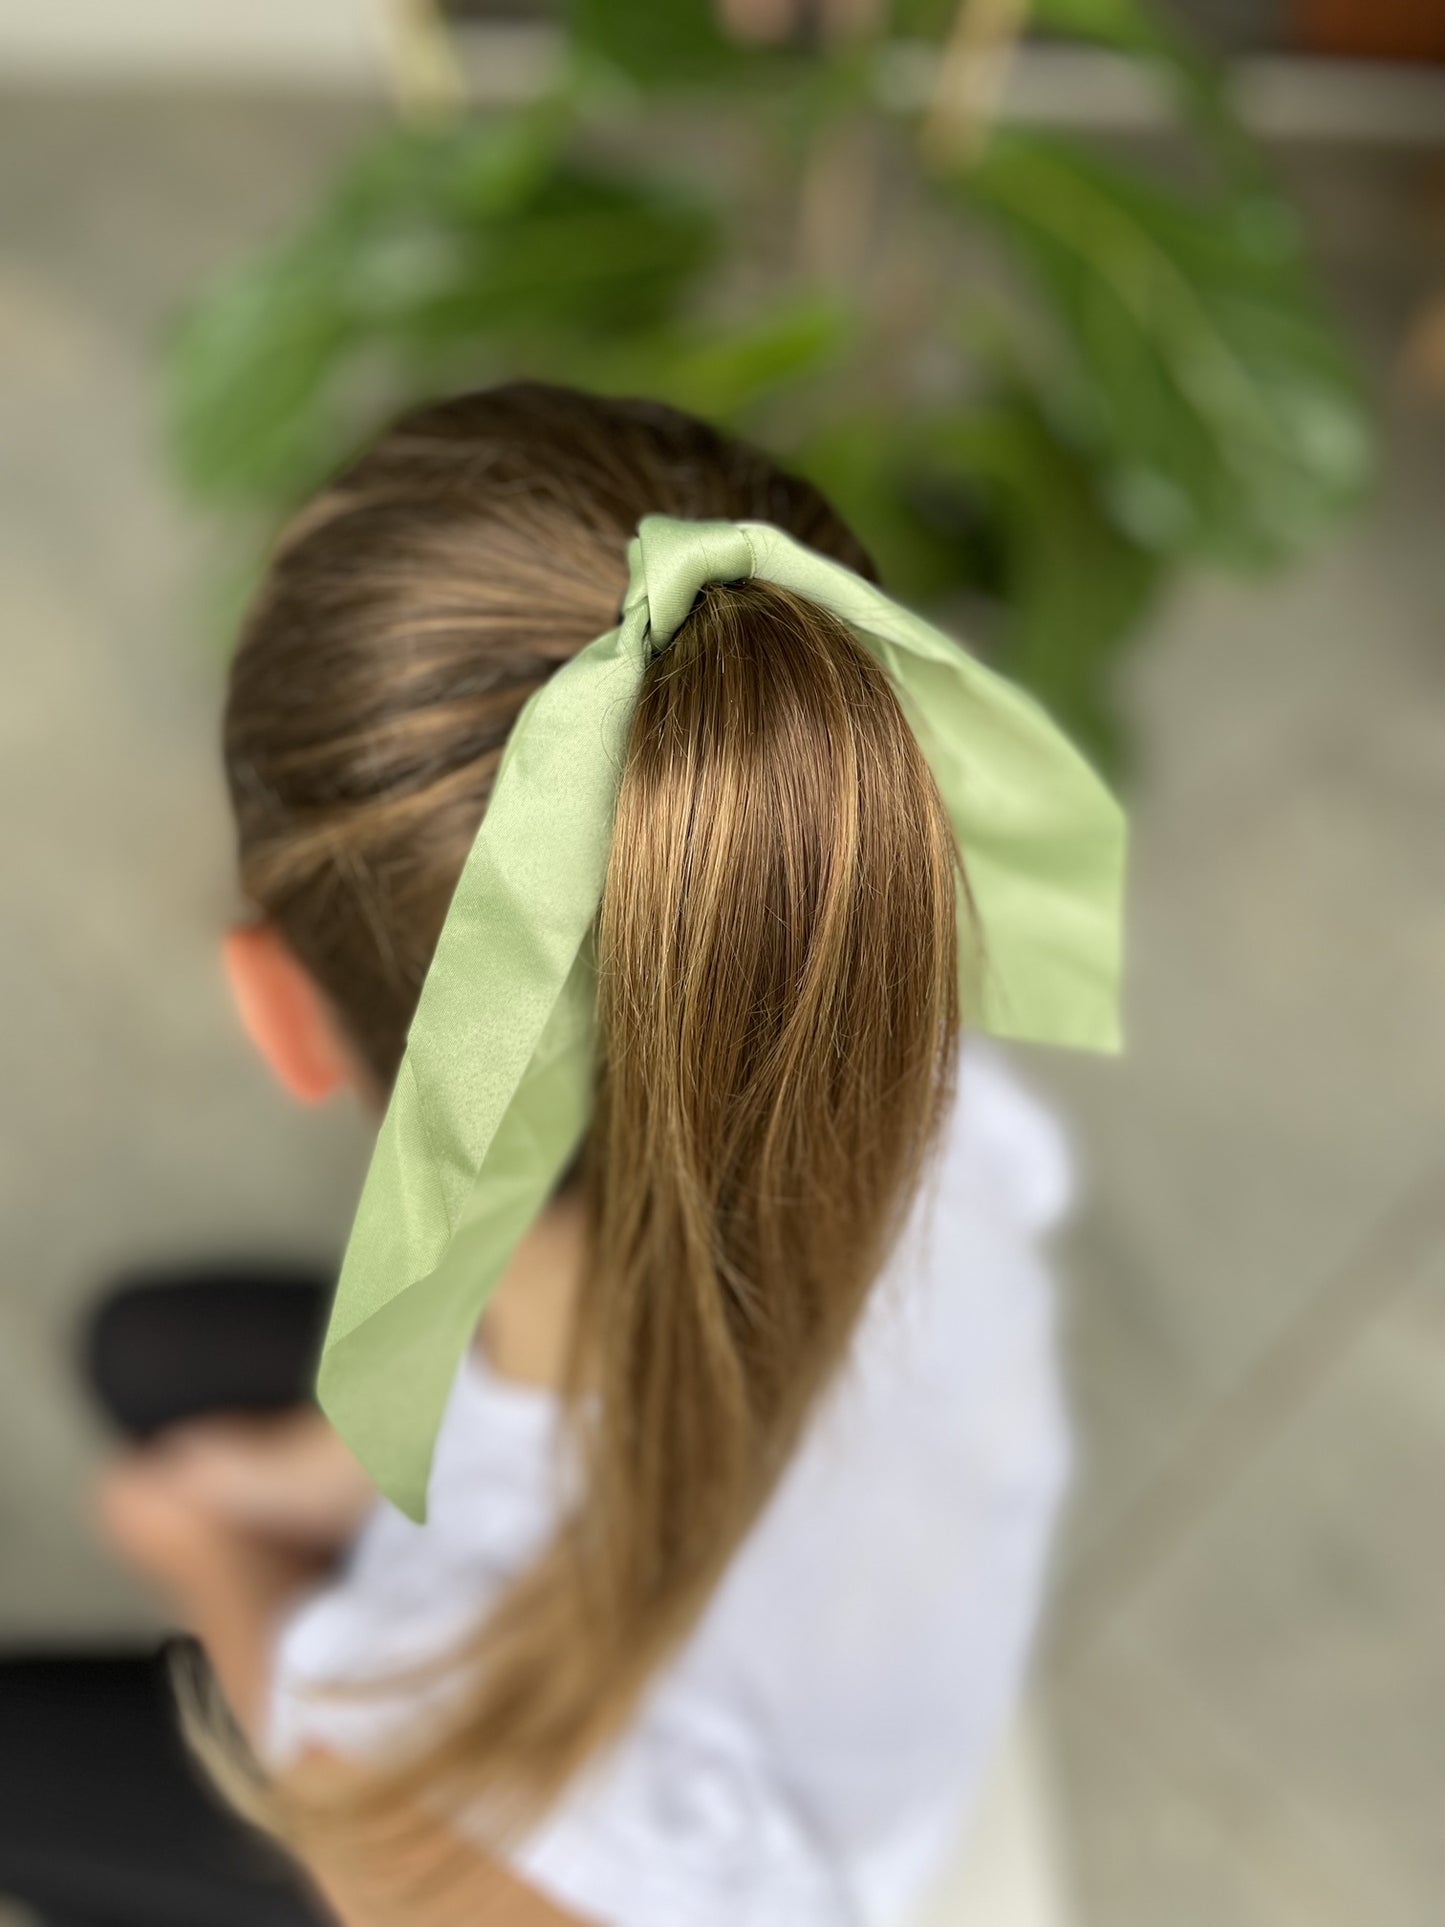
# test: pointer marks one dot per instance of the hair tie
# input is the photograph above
(494, 1092)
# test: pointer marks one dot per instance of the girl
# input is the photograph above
(741, 1501)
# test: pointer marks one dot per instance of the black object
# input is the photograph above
(105, 1820)
(163, 1346)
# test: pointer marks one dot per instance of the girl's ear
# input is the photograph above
(285, 1015)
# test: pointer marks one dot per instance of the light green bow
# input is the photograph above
(494, 1091)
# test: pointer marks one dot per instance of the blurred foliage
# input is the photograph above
(1036, 376)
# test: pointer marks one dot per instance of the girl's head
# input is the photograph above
(408, 613)
(776, 965)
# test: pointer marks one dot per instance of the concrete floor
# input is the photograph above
(1244, 1681)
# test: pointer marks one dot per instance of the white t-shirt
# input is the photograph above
(810, 1755)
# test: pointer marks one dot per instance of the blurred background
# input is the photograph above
(1119, 331)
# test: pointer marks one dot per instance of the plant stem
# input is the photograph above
(974, 67)
(837, 196)
(426, 76)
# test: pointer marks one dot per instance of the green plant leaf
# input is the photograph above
(875, 467)
(247, 375)
(585, 251)
(727, 372)
(1076, 587)
(485, 239)
(1124, 24)
(1198, 83)
(990, 499)
(657, 43)
(921, 19)
(1193, 355)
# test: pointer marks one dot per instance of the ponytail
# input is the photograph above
(777, 1017)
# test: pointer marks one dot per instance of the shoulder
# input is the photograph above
(1005, 1139)
(968, 1286)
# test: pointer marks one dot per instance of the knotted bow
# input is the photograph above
(494, 1092)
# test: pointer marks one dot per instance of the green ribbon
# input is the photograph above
(494, 1092)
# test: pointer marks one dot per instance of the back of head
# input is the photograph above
(776, 967)
(408, 613)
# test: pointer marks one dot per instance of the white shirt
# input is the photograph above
(809, 1756)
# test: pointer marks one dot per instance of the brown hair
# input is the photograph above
(777, 1003)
